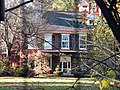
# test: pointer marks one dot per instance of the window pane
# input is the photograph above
(60, 64)
(65, 41)
(82, 41)
(68, 64)
(48, 38)
(65, 37)
(64, 64)
(64, 44)
(82, 46)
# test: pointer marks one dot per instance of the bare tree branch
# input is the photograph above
(18, 6)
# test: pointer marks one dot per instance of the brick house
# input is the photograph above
(65, 37)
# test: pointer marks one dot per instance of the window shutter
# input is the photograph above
(77, 41)
(59, 41)
(70, 44)
(2, 10)
(53, 41)
(89, 46)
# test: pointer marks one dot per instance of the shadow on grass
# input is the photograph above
(48, 86)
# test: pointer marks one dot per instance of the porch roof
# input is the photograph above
(61, 51)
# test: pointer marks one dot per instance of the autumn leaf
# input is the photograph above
(105, 83)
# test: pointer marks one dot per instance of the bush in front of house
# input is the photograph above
(78, 72)
(22, 72)
(7, 72)
(6, 69)
(17, 72)
(0, 68)
(58, 71)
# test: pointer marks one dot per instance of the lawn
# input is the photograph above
(60, 83)
(50, 86)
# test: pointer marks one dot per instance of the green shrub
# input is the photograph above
(17, 72)
(78, 72)
(6, 69)
(7, 72)
(0, 68)
(22, 72)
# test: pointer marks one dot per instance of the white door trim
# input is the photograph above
(66, 59)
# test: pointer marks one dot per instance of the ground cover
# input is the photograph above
(52, 83)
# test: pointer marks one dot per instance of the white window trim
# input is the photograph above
(83, 34)
(66, 59)
(47, 45)
(65, 41)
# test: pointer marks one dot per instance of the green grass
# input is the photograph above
(55, 87)
(51, 86)
(30, 85)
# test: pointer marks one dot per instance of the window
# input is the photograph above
(48, 41)
(82, 41)
(85, 7)
(91, 18)
(65, 41)
(33, 42)
(2, 47)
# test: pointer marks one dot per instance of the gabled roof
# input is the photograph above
(63, 20)
(84, 3)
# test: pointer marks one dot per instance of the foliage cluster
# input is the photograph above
(104, 45)
(6, 70)
(64, 5)
(22, 72)
(78, 72)
(58, 71)
(105, 82)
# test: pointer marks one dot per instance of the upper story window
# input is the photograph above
(65, 41)
(85, 7)
(48, 41)
(2, 47)
(83, 41)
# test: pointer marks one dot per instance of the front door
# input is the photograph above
(65, 65)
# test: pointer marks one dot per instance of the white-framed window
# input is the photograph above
(48, 41)
(83, 41)
(65, 64)
(65, 41)
(91, 18)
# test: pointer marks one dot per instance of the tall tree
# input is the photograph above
(112, 15)
(12, 26)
